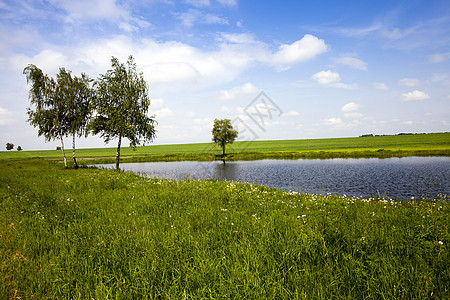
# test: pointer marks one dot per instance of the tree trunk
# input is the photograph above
(223, 150)
(118, 152)
(62, 149)
(73, 153)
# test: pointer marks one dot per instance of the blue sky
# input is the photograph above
(328, 68)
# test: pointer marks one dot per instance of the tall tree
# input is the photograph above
(47, 110)
(121, 103)
(223, 133)
(76, 94)
(9, 146)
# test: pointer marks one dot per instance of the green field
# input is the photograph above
(435, 144)
(102, 234)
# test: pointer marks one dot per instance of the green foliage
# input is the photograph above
(121, 105)
(19, 148)
(223, 133)
(9, 146)
(47, 110)
(75, 93)
(58, 107)
(98, 234)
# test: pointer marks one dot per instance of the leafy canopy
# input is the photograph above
(223, 133)
(121, 103)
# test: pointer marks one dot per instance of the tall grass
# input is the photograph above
(100, 234)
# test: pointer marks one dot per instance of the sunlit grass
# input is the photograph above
(99, 234)
(436, 144)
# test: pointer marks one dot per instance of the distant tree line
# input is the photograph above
(401, 133)
(115, 105)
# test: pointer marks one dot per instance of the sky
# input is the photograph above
(277, 69)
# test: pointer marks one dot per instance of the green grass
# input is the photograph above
(101, 234)
(435, 144)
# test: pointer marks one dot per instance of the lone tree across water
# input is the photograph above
(223, 133)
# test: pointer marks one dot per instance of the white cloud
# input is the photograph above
(48, 60)
(332, 121)
(416, 95)
(225, 109)
(302, 50)
(198, 3)
(326, 77)
(159, 109)
(409, 82)
(93, 9)
(332, 79)
(109, 10)
(349, 107)
(193, 16)
(6, 117)
(237, 38)
(171, 72)
(291, 113)
(238, 91)
(380, 86)
(352, 62)
(438, 58)
(354, 115)
(228, 2)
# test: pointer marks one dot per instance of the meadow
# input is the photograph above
(435, 144)
(102, 234)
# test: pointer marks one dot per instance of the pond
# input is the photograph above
(395, 178)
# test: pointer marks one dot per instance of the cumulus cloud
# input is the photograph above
(331, 79)
(169, 64)
(409, 82)
(238, 91)
(326, 77)
(159, 109)
(302, 50)
(415, 95)
(351, 110)
(380, 86)
(349, 107)
(352, 62)
(109, 10)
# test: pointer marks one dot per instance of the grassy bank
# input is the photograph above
(435, 144)
(100, 234)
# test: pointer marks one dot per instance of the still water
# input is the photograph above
(396, 178)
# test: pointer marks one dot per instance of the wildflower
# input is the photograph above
(441, 243)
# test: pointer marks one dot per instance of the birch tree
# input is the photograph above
(75, 93)
(121, 106)
(47, 110)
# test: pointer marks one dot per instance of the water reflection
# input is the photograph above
(398, 178)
